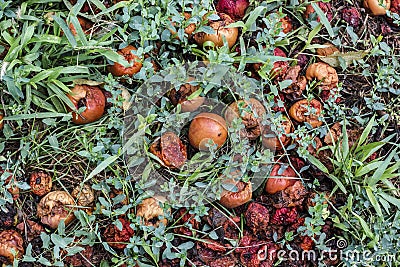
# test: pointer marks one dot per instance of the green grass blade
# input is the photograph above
(102, 166)
(367, 168)
(323, 18)
(317, 164)
(79, 31)
(395, 201)
(61, 95)
(364, 226)
(377, 176)
(345, 142)
(66, 30)
(338, 183)
(41, 115)
(369, 149)
(366, 132)
(374, 201)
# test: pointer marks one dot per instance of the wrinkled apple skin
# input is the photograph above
(54, 207)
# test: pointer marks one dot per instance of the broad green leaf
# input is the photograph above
(386, 176)
(46, 38)
(9, 39)
(41, 76)
(75, 69)
(316, 46)
(61, 242)
(394, 168)
(373, 201)
(53, 142)
(61, 95)
(74, 250)
(13, 53)
(195, 94)
(98, 4)
(369, 149)
(385, 204)
(44, 261)
(317, 163)
(43, 1)
(113, 56)
(14, 90)
(237, 24)
(118, 5)
(28, 95)
(28, 254)
(321, 166)
(390, 186)
(78, 6)
(338, 183)
(27, 35)
(57, 104)
(147, 248)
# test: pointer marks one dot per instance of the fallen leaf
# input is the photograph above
(333, 59)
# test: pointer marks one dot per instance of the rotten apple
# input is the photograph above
(150, 211)
(281, 177)
(276, 141)
(377, 7)
(54, 207)
(90, 97)
(251, 113)
(11, 246)
(241, 194)
(84, 195)
(328, 50)
(116, 237)
(221, 32)
(181, 97)
(236, 9)
(170, 150)
(119, 70)
(307, 111)
(324, 73)
(206, 127)
(40, 183)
